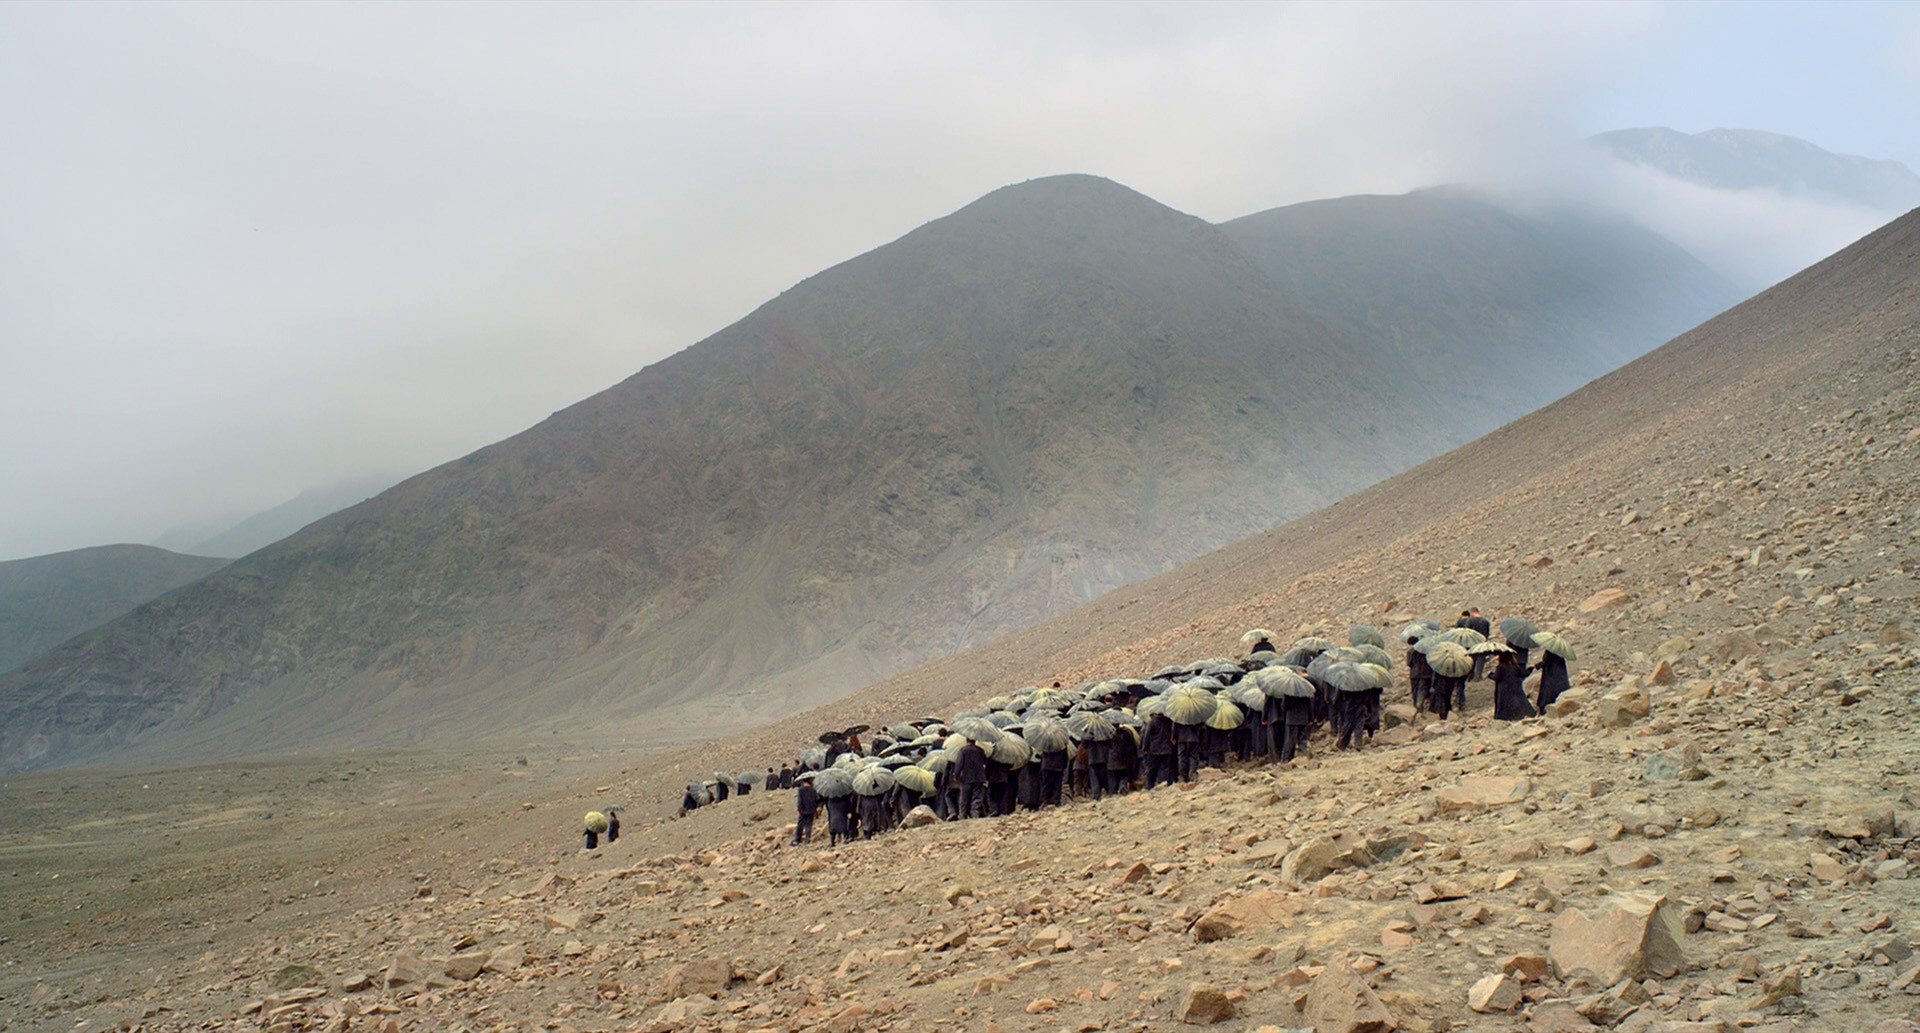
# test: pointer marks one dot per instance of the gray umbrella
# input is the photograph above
(813, 758)
(1090, 726)
(1283, 681)
(1366, 635)
(1373, 654)
(873, 781)
(1190, 705)
(1419, 630)
(979, 729)
(834, 782)
(1350, 677)
(1249, 695)
(750, 778)
(1518, 631)
(1012, 750)
(1047, 735)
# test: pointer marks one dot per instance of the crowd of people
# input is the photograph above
(1041, 746)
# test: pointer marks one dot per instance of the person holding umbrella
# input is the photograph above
(1555, 652)
(1509, 688)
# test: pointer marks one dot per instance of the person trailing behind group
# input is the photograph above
(1296, 715)
(806, 804)
(1419, 675)
(690, 802)
(873, 815)
(1510, 689)
(1470, 618)
(839, 820)
(1553, 678)
(613, 824)
(1053, 776)
(1189, 748)
(1123, 760)
(1159, 749)
(970, 770)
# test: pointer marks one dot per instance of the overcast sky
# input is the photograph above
(249, 249)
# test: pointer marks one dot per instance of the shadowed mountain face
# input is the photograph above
(1745, 159)
(46, 600)
(1493, 313)
(1062, 388)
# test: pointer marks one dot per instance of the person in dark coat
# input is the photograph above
(1081, 778)
(1189, 746)
(1296, 723)
(970, 770)
(1553, 678)
(1053, 776)
(689, 803)
(1273, 727)
(743, 788)
(613, 824)
(839, 820)
(1349, 715)
(1470, 618)
(1159, 750)
(873, 815)
(806, 804)
(1510, 689)
(1445, 690)
(999, 788)
(1097, 769)
(720, 792)
(1419, 675)
(1215, 743)
(1123, 760)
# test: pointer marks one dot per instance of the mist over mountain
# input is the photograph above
(1061, 388)
(1751, 159)
(239, 537)
(46, 600)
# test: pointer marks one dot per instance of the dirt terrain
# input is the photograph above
(1727, 530)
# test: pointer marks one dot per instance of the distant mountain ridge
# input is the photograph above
(1743, 159)
(46, 600)
(243, 536)
(1061, 388)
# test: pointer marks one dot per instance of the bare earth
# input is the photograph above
(1750, 491)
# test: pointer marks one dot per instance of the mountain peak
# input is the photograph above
(1747, 159)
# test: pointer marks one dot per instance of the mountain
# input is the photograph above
(1464, 292)
(232, 538)
(1747, 159)
(1062, 388)
(45, 600)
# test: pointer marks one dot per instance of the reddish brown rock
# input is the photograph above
(1203, 1004)
(1639, 935)
(702, 978)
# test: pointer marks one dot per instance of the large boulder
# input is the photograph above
(702, 978)
(1339, 1001)
(1479, 792)
(1638, 936)
(1204, 1004)
(1255, 910)
(1622, 707)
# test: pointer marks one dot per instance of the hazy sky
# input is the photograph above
(247, 249)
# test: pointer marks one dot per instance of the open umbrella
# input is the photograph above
(904, 732)
(1489, 647)
(873, 781)
(915, 778)
(1047, 735)
(1190, 704)
(834, 782)
(1011, 750)
(1366, 635)
(999, 703)
(1150, 706)
(1348, 676)
(750, 778)
(1257, 635)
(813, 758)
(855, 730)
(723, 778)
(1249, 695)
(1553, 643)
(1465, 638)
(596, 822)
(979, 729)
(1283, 681)
(1223, 671)
(829, 738)
(1226, 716)
(1449, 659)
(1089, 726)
(1170, 670)
(1313, 643)
(1004, 719)
(936, 762)
(1050, 699)
(1373, 654)
(1518, 631)
(898, 760)
(1124, 718)
(1419, 630)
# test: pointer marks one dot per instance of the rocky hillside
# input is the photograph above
(1063, 388)
(1714, 832)
(46, 600)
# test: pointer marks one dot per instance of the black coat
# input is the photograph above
(1510, 693)
(1123, 753)
(1553, 678)
(971, 764)
(1479, 624)
(1159, 735)
(1299, 710)
(807, 800)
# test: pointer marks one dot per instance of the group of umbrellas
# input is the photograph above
(723, 785)
(1222, 694)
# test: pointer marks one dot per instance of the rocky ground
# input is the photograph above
(1715, 831)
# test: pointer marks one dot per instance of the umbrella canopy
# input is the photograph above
(596, 822)
(829, 738)
(914, 778)
(1348, 676)
(1051, 698)
(750, 778)
(898, 760)
(1150, 706)
(1170, 670)
(1124, 718)
(1226, 716)
(979, 729)
(834, 782)
(1312, 643)
(904, 732)
(723, 778)
(1553, 643)
(1190, 704)
(1012, 750)
(1249, 695)
(1518, 631)
(1366, 635)
(1089, 726)
(1465, 638)
(855, 730)
(936, 762)
(813, 758)
(926, 742)
(1378, 655)
(1262, 656)
(873, 781)
(999, 702)
(848, 760)
(1047, 735)
(1004, 719)
(1419, 629)
(1283, 681)
(1207, 682)
(1449, 659)
(1489, 646)
(1257, 635)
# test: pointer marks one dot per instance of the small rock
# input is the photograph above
(464, 967)
(1339, 1001)
(1478, 792)
(1579, 845)
(1042, 1005)
(1494, 993)
(1605, 599)
(920, 817)
(506, 958)
(289, 976)
(1827, 869)
(1204, 1004)
(1630, 855)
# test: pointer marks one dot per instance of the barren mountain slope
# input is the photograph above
(1061, 388)
(1750, 490)
(1462, 292)
(45, 600)
(1745, 159)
